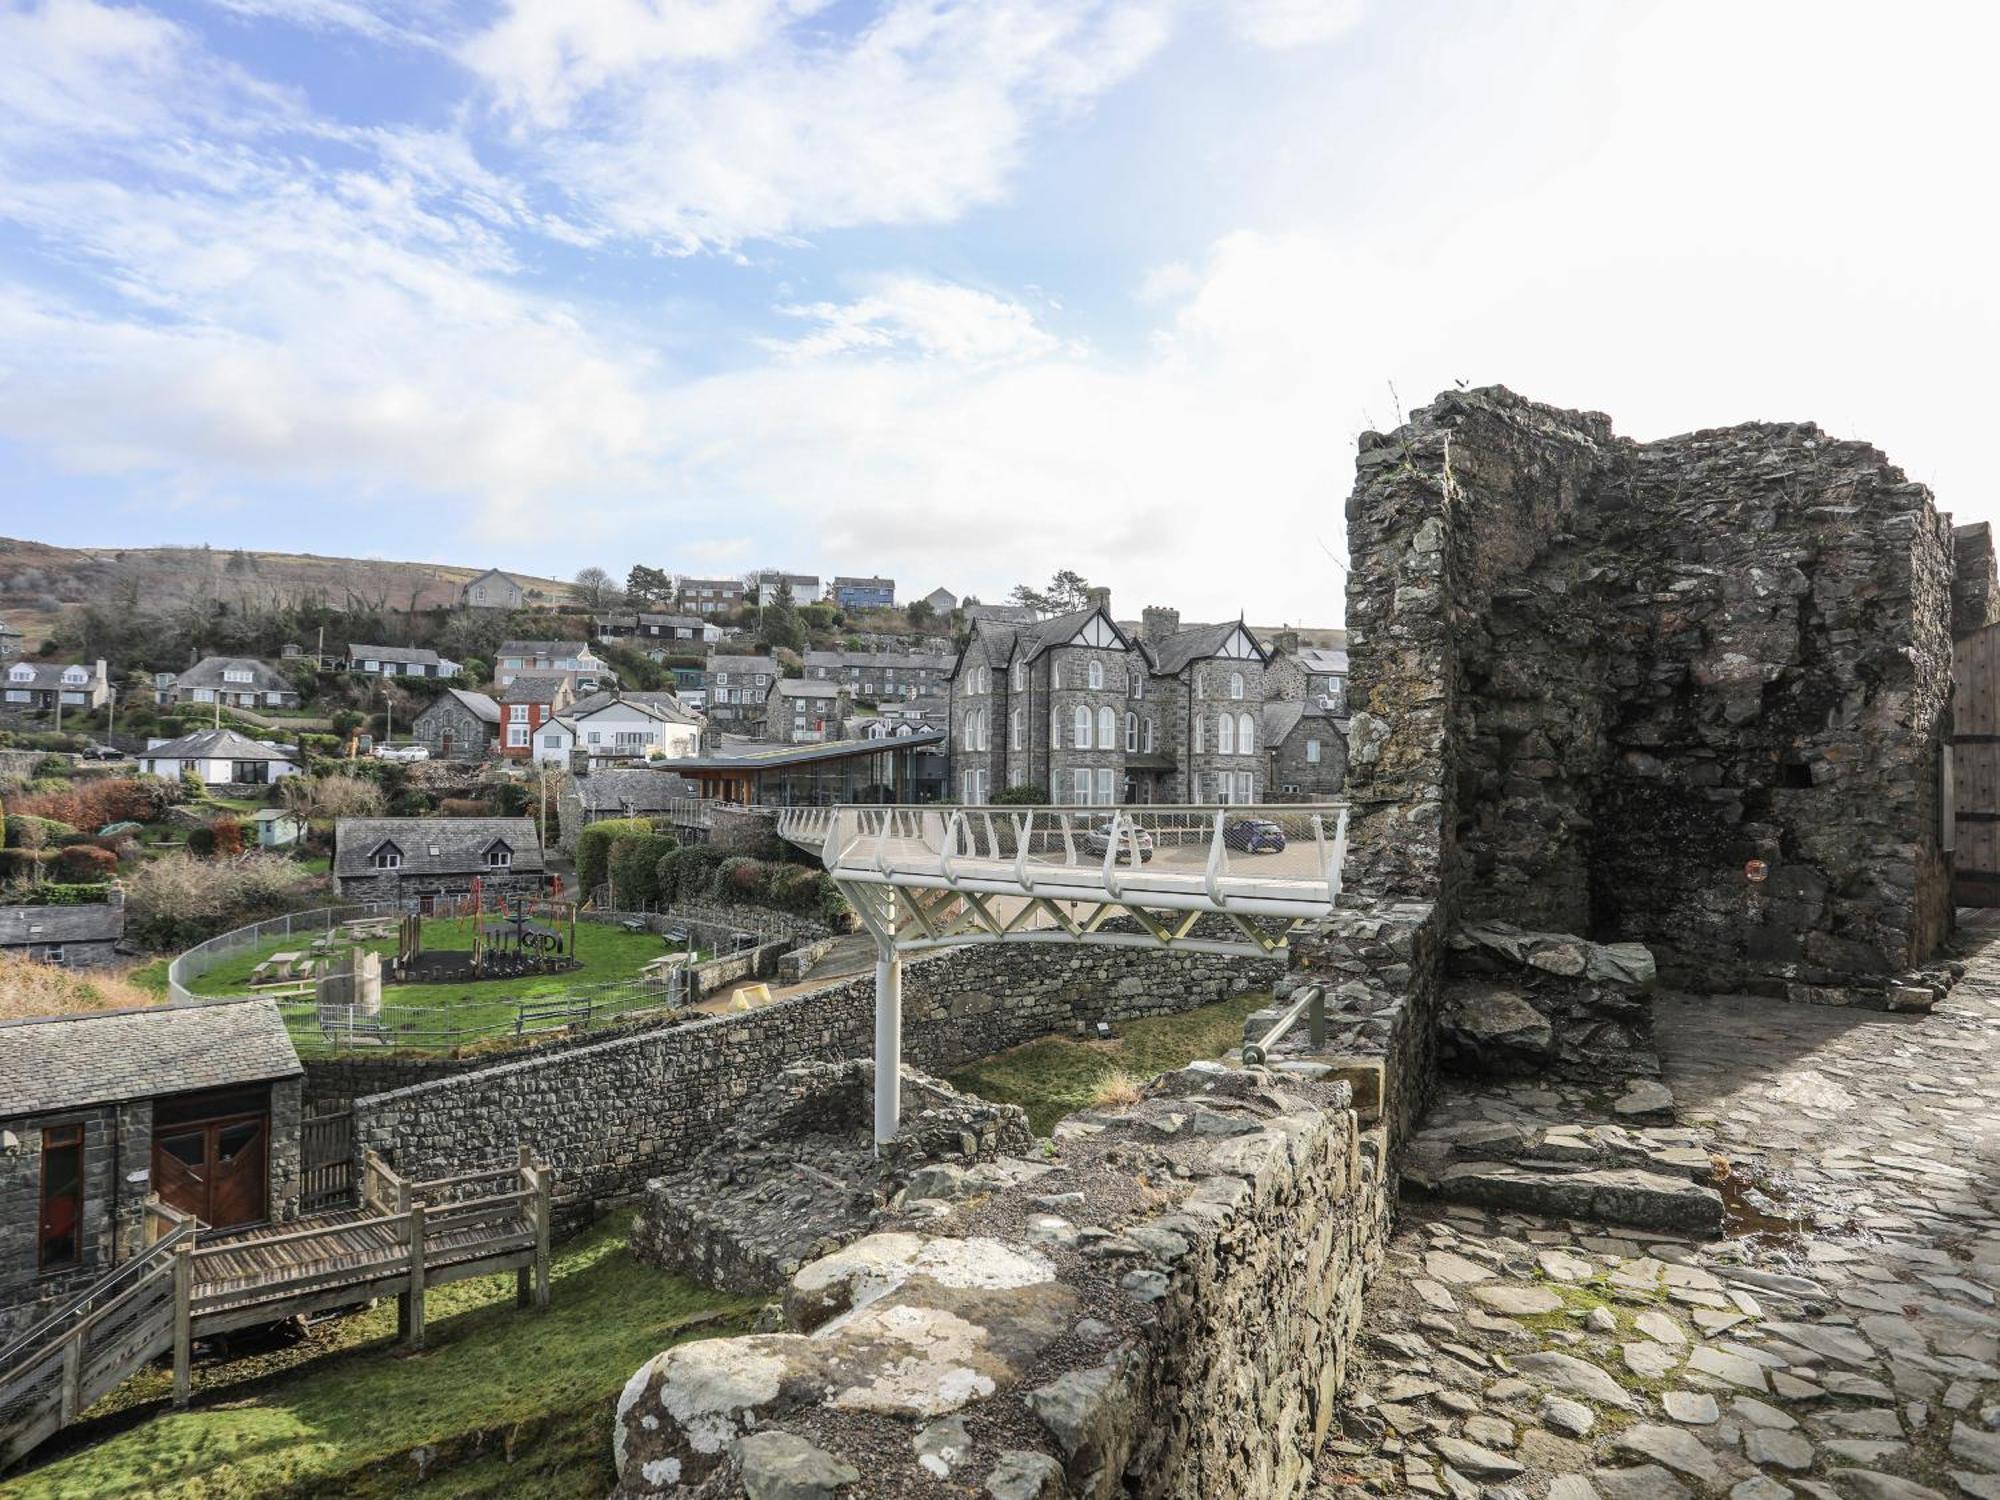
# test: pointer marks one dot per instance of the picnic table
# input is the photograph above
(281, 968)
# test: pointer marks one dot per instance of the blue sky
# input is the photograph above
(958, 292)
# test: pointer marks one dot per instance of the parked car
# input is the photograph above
(1254, 836)
(402, 752)
(102, 752)
(1098, 839)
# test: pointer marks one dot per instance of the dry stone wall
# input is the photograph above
(1689, 693)
(611, 1115)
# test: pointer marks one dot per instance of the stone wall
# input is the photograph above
(1689, 693)
(1975, 580)
(1052, 1331)
(612, 1114)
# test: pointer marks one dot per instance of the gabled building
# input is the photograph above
(765, 584)
(585, 669)
(1208, 691)
(648, 627)
(220, 757)
(804, 711)
(942, 601)
(493, 589)
(531, 700)
(399, 661)
(39, 686)
(421, 859)
(633, 726)
(709, 596)
(234, 682)
(736, 688)
(459, 725)
(72, 936)
(1305, 752)
(878, 676)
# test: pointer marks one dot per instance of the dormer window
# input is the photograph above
(235, 674)
(75, 676)
(499, 857)
(22, 673)
(386, 857)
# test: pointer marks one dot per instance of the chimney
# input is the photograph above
(1101, 597)
(1156, 623)
(1286, 643)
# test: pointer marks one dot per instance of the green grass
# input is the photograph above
(493, 1380)
(152, 976)
(1058, 1075)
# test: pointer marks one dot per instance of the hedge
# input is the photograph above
(635, 868)
(593, 849)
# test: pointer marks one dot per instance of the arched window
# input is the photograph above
(1200, 734)
(1020, 676)
(1096, 670)
(1246, 736)
(1055, 726)
(1080, 729)
(1131, 733)
(1225, 734)
(1107, 728)
(1149, 736)
(1014, 723)
(1138, 683)
(1236, 684)
(985, 729)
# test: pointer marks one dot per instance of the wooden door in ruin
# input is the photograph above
(1972, 779)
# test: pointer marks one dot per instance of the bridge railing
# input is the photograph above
(1293, 850)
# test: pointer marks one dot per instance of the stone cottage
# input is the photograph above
(198, 1103)
(70, 936)
(421, 859)
(459, 725)
(1305, 752)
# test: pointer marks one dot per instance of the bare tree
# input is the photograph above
(593, 588)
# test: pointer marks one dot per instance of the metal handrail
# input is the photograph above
(1311, 1001)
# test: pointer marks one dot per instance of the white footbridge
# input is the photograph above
(1235, 880)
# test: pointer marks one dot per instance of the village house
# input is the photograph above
(234, 682)
(941, 601)
(1323, 670)
(878, 676)
(805, 711)
(766, 583)
(71, 936)
(12, 642)
(584, 667)
(649, 627)
(421, 859)
(735, 688)
(197, 1103)
(709, 596)
(999, 614)
(493, 589)
(40, 686)
(531, 700)
(1099, 714)
(651, 726)
(219, 757)
(617, 792)
(862, 593)
(459, 725)
(1305, 752)
(400, 661)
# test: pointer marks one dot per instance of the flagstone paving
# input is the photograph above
(1840, 1340)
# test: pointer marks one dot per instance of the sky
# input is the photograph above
(959, 293)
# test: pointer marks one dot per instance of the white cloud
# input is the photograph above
(918, 116)
(931, 318)
(1294, 23)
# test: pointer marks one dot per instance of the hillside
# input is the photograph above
(37, 579)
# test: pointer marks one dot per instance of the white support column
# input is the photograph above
(888, 1044)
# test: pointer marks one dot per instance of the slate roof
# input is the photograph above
(656, 705)
(264, 678)
(96, 922)
(216, 744)
(641, 790)
(553, 649)
(1192, 643)
(1281, 717)
(742, 664)
(423, 655)
(799, 687)
(63, 1062)
(1013, 614)
(48, 674)
(536, 687)
(460, 844)
(1323, 660)
(907, 661)
(483, 707)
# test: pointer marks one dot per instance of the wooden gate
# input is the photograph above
(326, 1162)
(1973, 777)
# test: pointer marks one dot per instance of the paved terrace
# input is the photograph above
(1840, 1342)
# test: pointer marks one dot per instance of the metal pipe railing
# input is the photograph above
(1312, 1003)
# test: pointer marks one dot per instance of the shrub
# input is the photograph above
(34, 989)
(688, 874)
(202, 840)
(177, 900)
(635, 867)
(21, 864)
(25, 831)
(464, 807)
(593, 849)
(228, 833)
(86, 862)
(331, 795)
(1021, 796)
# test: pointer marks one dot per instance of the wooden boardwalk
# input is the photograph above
(405, 1238)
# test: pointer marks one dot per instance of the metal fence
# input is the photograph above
(221, 949)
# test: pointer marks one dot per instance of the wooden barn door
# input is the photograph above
(1975, 768)
(215, 1165)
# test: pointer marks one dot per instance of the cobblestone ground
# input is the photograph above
(1840, 1341)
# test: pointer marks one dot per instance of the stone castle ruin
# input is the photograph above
(1625, 714)
(1693, 694)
